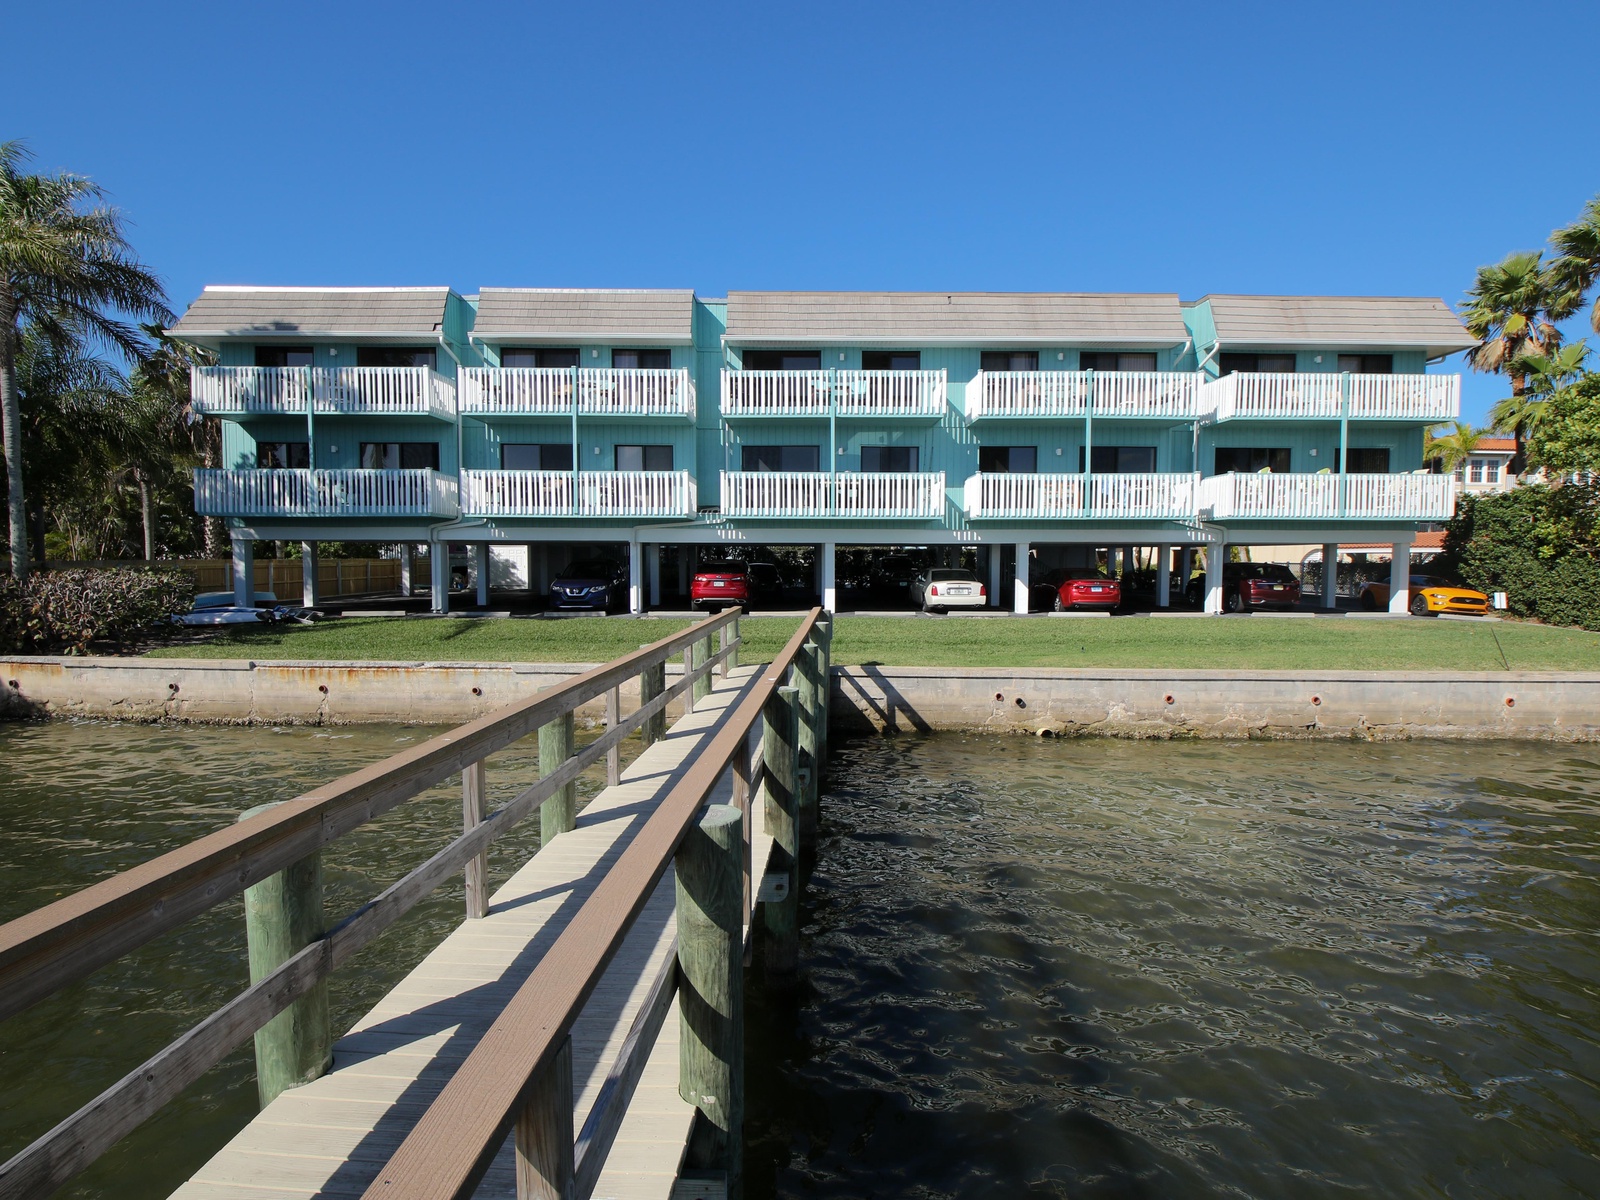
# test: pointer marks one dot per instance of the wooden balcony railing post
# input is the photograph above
(558, 814)
(711, 990)
(780, 720)
(474, 808)
(700, 656)
(282, 916)
(544, 1134)
(652, 682)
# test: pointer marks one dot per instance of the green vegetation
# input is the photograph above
(78, 612)
(1254, 642)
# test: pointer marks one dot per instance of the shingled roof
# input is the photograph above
(611, 315)
(314, 312)
(955, 318)
(1353, 322)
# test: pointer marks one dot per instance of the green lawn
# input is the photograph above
(1255, 642)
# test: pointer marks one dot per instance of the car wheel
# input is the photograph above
(1058, 606)
(1235, 602)
(1368, 602)
(1419, 606)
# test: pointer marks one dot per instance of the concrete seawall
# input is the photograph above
(1060, 702)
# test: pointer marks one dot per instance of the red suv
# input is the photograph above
(1251, 585)
(720, 585)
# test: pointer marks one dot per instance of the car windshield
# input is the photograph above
(587, 570)
(942, 576)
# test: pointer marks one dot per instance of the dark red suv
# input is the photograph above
(1246, 586)
(720, 585)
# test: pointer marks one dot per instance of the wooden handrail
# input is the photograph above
(51, 947)
(447, 1152)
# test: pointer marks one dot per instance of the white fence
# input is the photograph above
(808, 495)
(847, 393)
(1146, 496)
(1289, 496)
(600, 391)
(301, 493)
(1288, 397)
(254, 391)
(599, 494)
(996, 394)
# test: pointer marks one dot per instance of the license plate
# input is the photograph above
(960, 591)
(1277, 587)
(718, 583)
(1097, 588)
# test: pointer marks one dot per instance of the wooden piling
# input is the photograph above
(558, 814)
(711, 990)
(282, 916)
(474, 807)
(780, 719)
(652, 682)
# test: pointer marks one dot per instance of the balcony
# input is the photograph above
(598, 494)
(809, 495)
(300, 493)
(600, 392)
(1291, 397)
(1289, 496)
(834, 393)
(1025, 395)
(1158, 496)
(278, 391)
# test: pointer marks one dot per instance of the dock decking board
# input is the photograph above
(330, 1137)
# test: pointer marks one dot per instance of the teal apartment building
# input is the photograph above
(1029, 430)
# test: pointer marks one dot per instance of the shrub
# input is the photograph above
(68, 612)
(1538, 545)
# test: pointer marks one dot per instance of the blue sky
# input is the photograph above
(1283, 147)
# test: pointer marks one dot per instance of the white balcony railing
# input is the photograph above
(1287, 496)
(999, 394)
(845, 393)
(599, 494)
(265, 391)
(807, 495)
(300, 493)
(1147, 496)
(1291, 397)
(600, 391)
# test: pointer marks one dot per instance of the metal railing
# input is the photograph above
(600, 391)
(261, 391)
(808, 495)
(306, 493)
(840, 393)
(1166, 495)
(599, 494)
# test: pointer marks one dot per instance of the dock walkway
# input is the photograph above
(330, 1137)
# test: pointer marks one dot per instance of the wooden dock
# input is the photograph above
(332, 1136)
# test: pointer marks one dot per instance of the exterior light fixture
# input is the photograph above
(1313, 452)
(594, 352)
(1060, 357)
(333, 352)
(841, 356)
(1058, 451)
(1318, 358)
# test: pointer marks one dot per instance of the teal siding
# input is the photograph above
(1404, 442)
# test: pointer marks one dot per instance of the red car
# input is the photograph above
(720, 585)
(1251, 585)
(1080, 587)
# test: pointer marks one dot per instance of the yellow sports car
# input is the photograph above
(1430, 596)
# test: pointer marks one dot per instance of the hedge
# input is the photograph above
(1538, 545)
(70, 612)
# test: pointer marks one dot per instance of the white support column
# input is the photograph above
(635, 578)
(653, 557)
(1400, 578)
(1216, 555)
(406, 549)
(1163, 576)
(480, 561)
(994, 575)
(244, 573)
(1019, 583)
(310, 592)
(439, 569)
(830, 596)
(1330, 575)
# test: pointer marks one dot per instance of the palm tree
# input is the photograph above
(1511, 309)
(1577, 265)
(67, 272)
(1454, 447)
(1545, 375)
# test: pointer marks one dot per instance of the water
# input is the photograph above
(1119, 969)
(1097, 969)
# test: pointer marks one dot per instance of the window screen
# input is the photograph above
(1009, 360)
(1366, 460)
(283, 356)
(1008, 460)
(405, 456)
(641, 360)
(1121, 460)
(779, 458)
(895, 460)
(1367, 364)
(397, 356)
(1108, 360)
(891, 360)
(1279, 364)
(1249, 459)
(283, 456)
(529, 456)
(644, 458)
(538, 356)
(783, 360)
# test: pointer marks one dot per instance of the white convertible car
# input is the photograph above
(944, 588)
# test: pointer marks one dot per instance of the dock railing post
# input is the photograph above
(688, 665)
(824, 628)
(282, 916)
(711, 990)
(652, 682)
(807, 668)
(613, 755)
(473, 809)
(780, 736)
(558, 814)
(734, 641)
(702, 655)
(545, 1167)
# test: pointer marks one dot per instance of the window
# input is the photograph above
(783, 360)
(1250, 459)
(283, 456)
(641, 360)
(779, 458)
(892, 460)
(540, 356)
(283, 356)
(1475, 474)
(397, 356)
(1366, 461)
(891, 360)
(1279, 364)
(1367, 364)
(1009, 360)
(1491, 470)
(1008, 460)
(1120, 460)
(644, 458)
(405, 456)
(1115, 360)
(526, 456)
